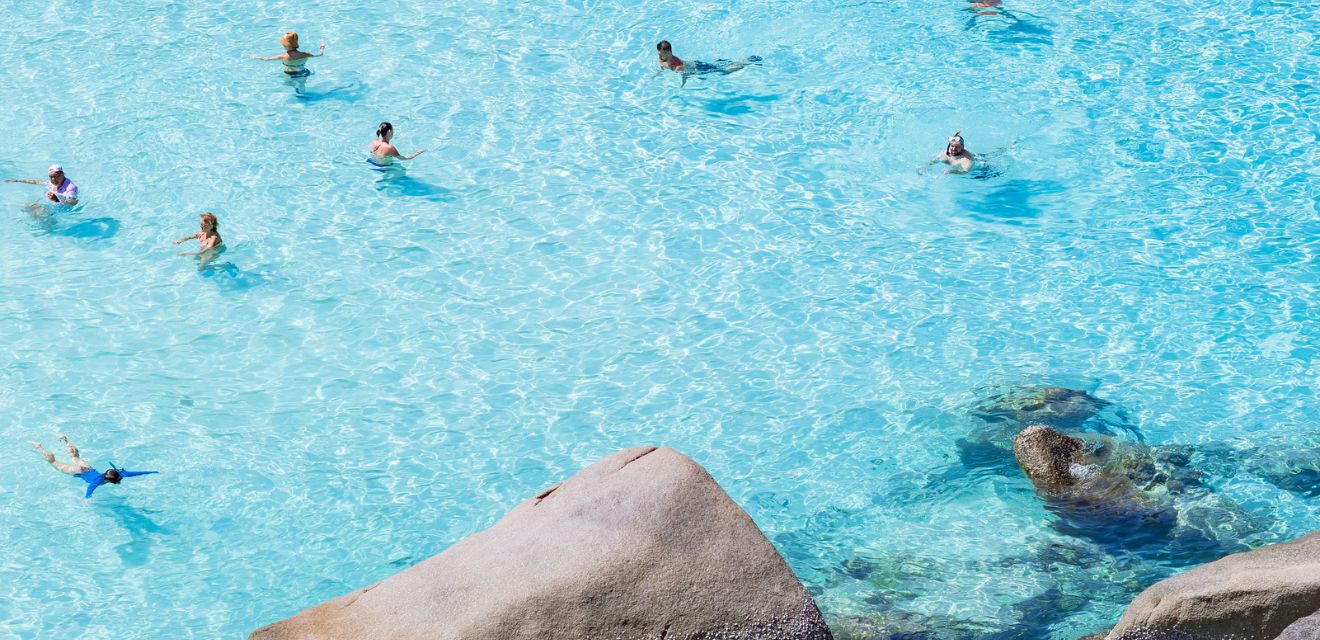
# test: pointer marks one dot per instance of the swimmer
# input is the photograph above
(82, 469)
(295, 61)
(209, 237)
(383, 152)
(667, 58)
(956, 155)
(674, 63)
(59, 189)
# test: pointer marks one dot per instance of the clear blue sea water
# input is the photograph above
(755, 269)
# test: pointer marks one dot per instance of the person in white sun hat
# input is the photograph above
(59, 188)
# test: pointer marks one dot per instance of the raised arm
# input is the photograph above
(322, 52)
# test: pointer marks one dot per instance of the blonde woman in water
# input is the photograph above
(209, 237)
(295, 61)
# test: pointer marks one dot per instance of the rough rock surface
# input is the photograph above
(1048, 458)
(1253, 595)
(641, 544)
(1307, 628)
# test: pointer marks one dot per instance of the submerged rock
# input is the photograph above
(641, 544)
(1095, 482)
(1057, 407)
(1006, 412)
(1131, 495)
(1291, 469)
(1253, 595)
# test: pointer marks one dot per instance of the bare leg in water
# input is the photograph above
(78, 465)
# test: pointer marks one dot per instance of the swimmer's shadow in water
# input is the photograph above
(142, 532)
(397, 183)
(1010, 202)
(1006, 26)
(91, 229)
(58, 223)
(229, 276)
(738, 105)
(353, 92)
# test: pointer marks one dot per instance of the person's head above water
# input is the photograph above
(385, 131)
(112, 475)
(955, 146)
(289, 41)
(209, 222)
(665, 49)
(55, 172)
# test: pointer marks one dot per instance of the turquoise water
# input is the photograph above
(754, 269)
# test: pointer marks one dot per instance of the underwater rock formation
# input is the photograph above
(1057, 407)
(1091, 481)
(641, 544)
(1007, 411)
(1128, 494)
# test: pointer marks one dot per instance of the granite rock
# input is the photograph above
(641, 544)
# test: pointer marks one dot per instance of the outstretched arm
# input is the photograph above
(187, 238)
(413, 155)
(91, 486)
(317, 55)
(129, 474)
(278, 57)
(25, 181)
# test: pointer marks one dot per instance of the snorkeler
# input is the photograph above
(59, 189)
(383, 152)
(83, 470)
(956, 155)
(209, 237)
(295, 61)
(674, 63)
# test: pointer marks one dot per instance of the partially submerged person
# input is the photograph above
(956, 155)
(59, 189)
(674, 63)
(208, 237)
(81, 469)
(295, 61)
(383, 152)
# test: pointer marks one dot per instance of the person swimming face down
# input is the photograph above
(112, 475)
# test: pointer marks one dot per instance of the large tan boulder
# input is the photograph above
(641, 544)
(1247, 596)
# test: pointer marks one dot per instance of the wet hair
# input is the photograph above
(290, 40)
(664, 46)
(112, 476)
(957, 139)
(210, 217)
(384, 128)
